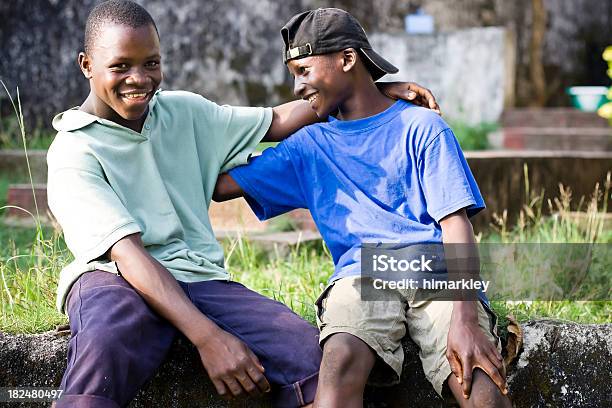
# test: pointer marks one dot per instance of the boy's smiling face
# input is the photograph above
(319, 80)
(124, 69)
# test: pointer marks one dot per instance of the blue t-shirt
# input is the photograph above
(388, 178)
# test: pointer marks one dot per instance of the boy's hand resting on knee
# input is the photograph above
(468, 348)
(467, 345)
(233, 368)
(231, 365)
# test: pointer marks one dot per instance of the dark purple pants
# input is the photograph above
(118, 342)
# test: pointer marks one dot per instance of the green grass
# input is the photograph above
(296, 280)
(10, 135)
(30, 266)
(30, 261)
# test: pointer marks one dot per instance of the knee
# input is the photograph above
(485, 393)
(489, 400)
(345, 355)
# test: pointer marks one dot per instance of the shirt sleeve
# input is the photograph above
(90, 213)
(271, 182)
(235, 130)
(446, 180)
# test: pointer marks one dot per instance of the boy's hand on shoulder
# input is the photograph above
(410, 91)
(233, 368)
(468, 348)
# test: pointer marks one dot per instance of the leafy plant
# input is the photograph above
(473, 137)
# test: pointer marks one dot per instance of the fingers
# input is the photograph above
(260, 381)
(423, 97)
(495, 375)
(249, 377)
(455, 365)
(497, 354)
(235, 388)
(256, 374)
(255, 360)
(466, 379)
(251, 382)
(496, 359)
(494, 368)
(221, 388)
(435, 107)
(431, 101)
(247, 384)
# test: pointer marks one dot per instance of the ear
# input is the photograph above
(349, 59)
(84, 62)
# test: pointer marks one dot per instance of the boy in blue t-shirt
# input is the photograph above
(380, 171)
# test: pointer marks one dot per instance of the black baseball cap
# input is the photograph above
(327, 30)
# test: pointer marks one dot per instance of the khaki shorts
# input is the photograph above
(382, 325)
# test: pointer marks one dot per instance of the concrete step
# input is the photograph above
(274, 244)
(20, 198)
(551, 117)
(552, 138)
(13, 163)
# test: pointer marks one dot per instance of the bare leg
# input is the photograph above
(347, 362)
(484, 392)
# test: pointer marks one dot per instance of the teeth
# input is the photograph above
(313, 98)
(135, 95)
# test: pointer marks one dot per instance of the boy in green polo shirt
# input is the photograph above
(131, 174)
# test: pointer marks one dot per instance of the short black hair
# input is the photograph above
(122, 12)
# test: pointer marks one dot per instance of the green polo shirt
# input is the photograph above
(107, 181)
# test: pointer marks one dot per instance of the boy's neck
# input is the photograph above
(94, 106)
(365, 101)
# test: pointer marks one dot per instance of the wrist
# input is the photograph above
(465, 312)
(202, 332)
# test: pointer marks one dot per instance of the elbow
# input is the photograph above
(126, 248)
(217, 196)
(226, 189)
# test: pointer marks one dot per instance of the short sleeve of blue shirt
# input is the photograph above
(271, 182)
(446, 179)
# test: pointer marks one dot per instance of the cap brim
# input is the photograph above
(377, 65)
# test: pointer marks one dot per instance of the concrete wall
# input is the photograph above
(467, 70)
(501, 178)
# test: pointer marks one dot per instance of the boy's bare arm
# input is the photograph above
(292, 116)
(226, 188)
(467, 346)
(289, 118)
(231, 365)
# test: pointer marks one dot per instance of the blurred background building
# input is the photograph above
(229, 50)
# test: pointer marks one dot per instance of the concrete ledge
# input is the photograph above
(13, 162)
(570, 139)
(562, 364)
(501, 179)
(551, 117)
(499, 175)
